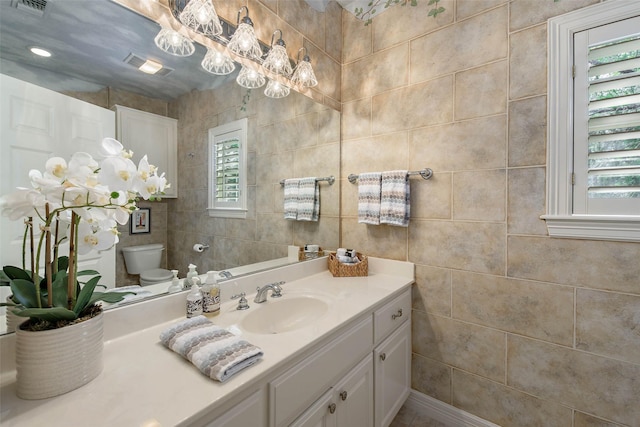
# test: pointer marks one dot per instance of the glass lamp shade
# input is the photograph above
(304, 75)
(276, 89)
(174, 43)
(201, 16)
(244, 42)
(278, 61)
(217, 63)
(251, 79)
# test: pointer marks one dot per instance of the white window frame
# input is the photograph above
(559, 217)
(238, 209)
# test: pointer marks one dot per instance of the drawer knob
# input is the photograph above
(383, 356)
(343, 395)
(398, 314)
(332, 408)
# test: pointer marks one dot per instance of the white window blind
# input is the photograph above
(227, 165)
(607, 119)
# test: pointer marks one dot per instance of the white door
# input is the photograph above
(35, 124)
(355, 396)
(321, 414)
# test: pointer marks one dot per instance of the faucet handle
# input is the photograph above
(240, 295)
(242, 302)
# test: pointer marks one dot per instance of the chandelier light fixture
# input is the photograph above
(174, 43)
(201, 16)
(277, 59)
(244, 41)
(303, 74)
(276, 89)
(217, 63)
(249, 78)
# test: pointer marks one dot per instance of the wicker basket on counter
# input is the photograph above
(339, 269)
(302, 255)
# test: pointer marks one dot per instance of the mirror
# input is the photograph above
(289, 137)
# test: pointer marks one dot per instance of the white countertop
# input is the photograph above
(144, 383)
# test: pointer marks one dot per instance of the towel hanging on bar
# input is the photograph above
(395, 198)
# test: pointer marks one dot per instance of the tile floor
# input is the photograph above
(414, 417)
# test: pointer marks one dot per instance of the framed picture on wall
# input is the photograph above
(140, 221)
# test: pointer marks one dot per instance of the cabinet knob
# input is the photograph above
(383, 356)
(398, 314)
(343, 395)
(332, 408)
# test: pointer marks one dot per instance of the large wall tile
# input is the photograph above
(526, 201)
(481, 91)
(525, 13)
(357, 40)
(414, 106)
(591, 263)
(467, 8)
(598, 385)
(380, 153)
(609, 324)
(471, 144)
(431, 378)
(472, 348)
(432, 291)
(479, 195)
(473, 246)
(431, 199)
(376, 73)
(304, 19)
(476, 41)
(528, 62)
(383, 241)
(528, 131)
(507, 407)
(584, 420)
(528, 308)
(356, 119)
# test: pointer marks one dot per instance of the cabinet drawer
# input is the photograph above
(392, 315)
(295, 390)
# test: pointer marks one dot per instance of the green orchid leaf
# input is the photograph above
(87, 273)
(59, 289)
(24, 292)
(63, 263)
(49, 314)
(109, 297)
(84, 297)
(4, 279)
(16, 273)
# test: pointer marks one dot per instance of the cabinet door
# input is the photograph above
(153, 135)
(321, 414)
(393, 374)
(249, 412)
(354, 396)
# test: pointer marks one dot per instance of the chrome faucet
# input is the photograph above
(276, 292)
(225, 274)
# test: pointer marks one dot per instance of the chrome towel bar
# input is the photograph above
(425, 173)
(330, 179)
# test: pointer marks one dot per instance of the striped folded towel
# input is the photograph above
(291, 189)
(369, 190)
(216, 352)
(308, 199)
(395, 201)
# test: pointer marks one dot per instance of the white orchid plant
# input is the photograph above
(80, 202)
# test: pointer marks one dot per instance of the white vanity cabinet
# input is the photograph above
(249, 412)
(153, 135)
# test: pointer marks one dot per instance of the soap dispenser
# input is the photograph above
(175, 283)
(211, 294)
(194, 300)
(190, 275)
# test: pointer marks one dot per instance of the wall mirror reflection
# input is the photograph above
(288, 137)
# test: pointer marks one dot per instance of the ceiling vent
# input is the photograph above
(136, 61)
(36, 7)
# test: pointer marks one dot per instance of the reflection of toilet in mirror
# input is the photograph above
(145, 260)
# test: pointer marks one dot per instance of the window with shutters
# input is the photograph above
(227, 170)
(593, 185)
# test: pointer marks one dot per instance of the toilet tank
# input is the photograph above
(142, 258)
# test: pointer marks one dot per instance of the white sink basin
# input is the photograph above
(285, 314)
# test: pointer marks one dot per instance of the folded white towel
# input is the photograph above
(395, 201)
(216, 352)
(291, 198)
(369, 190)
(308, 199)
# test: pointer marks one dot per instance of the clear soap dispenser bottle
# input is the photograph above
(190, 275)
(211, 294)
(194, 300)
(175, 283)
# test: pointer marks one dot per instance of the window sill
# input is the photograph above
(227, 213)
(592, 227)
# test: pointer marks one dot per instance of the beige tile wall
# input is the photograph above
(510, 325)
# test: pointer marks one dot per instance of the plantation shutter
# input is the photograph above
(607, 120)
(227, 166)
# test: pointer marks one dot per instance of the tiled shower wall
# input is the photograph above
(509, 324)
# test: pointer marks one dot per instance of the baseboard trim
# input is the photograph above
(445, 413)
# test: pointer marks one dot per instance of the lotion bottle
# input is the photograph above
(211, 294)
(194, 300)
(175, 283)
(190, 275)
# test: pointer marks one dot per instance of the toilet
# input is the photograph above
(145, 260)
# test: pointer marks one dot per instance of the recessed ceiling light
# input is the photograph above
(150, 67)
(40, 52)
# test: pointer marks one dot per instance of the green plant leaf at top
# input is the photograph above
(24, 292)
(49, 314)
(84, 297)
(16, 273)
(87, 273)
